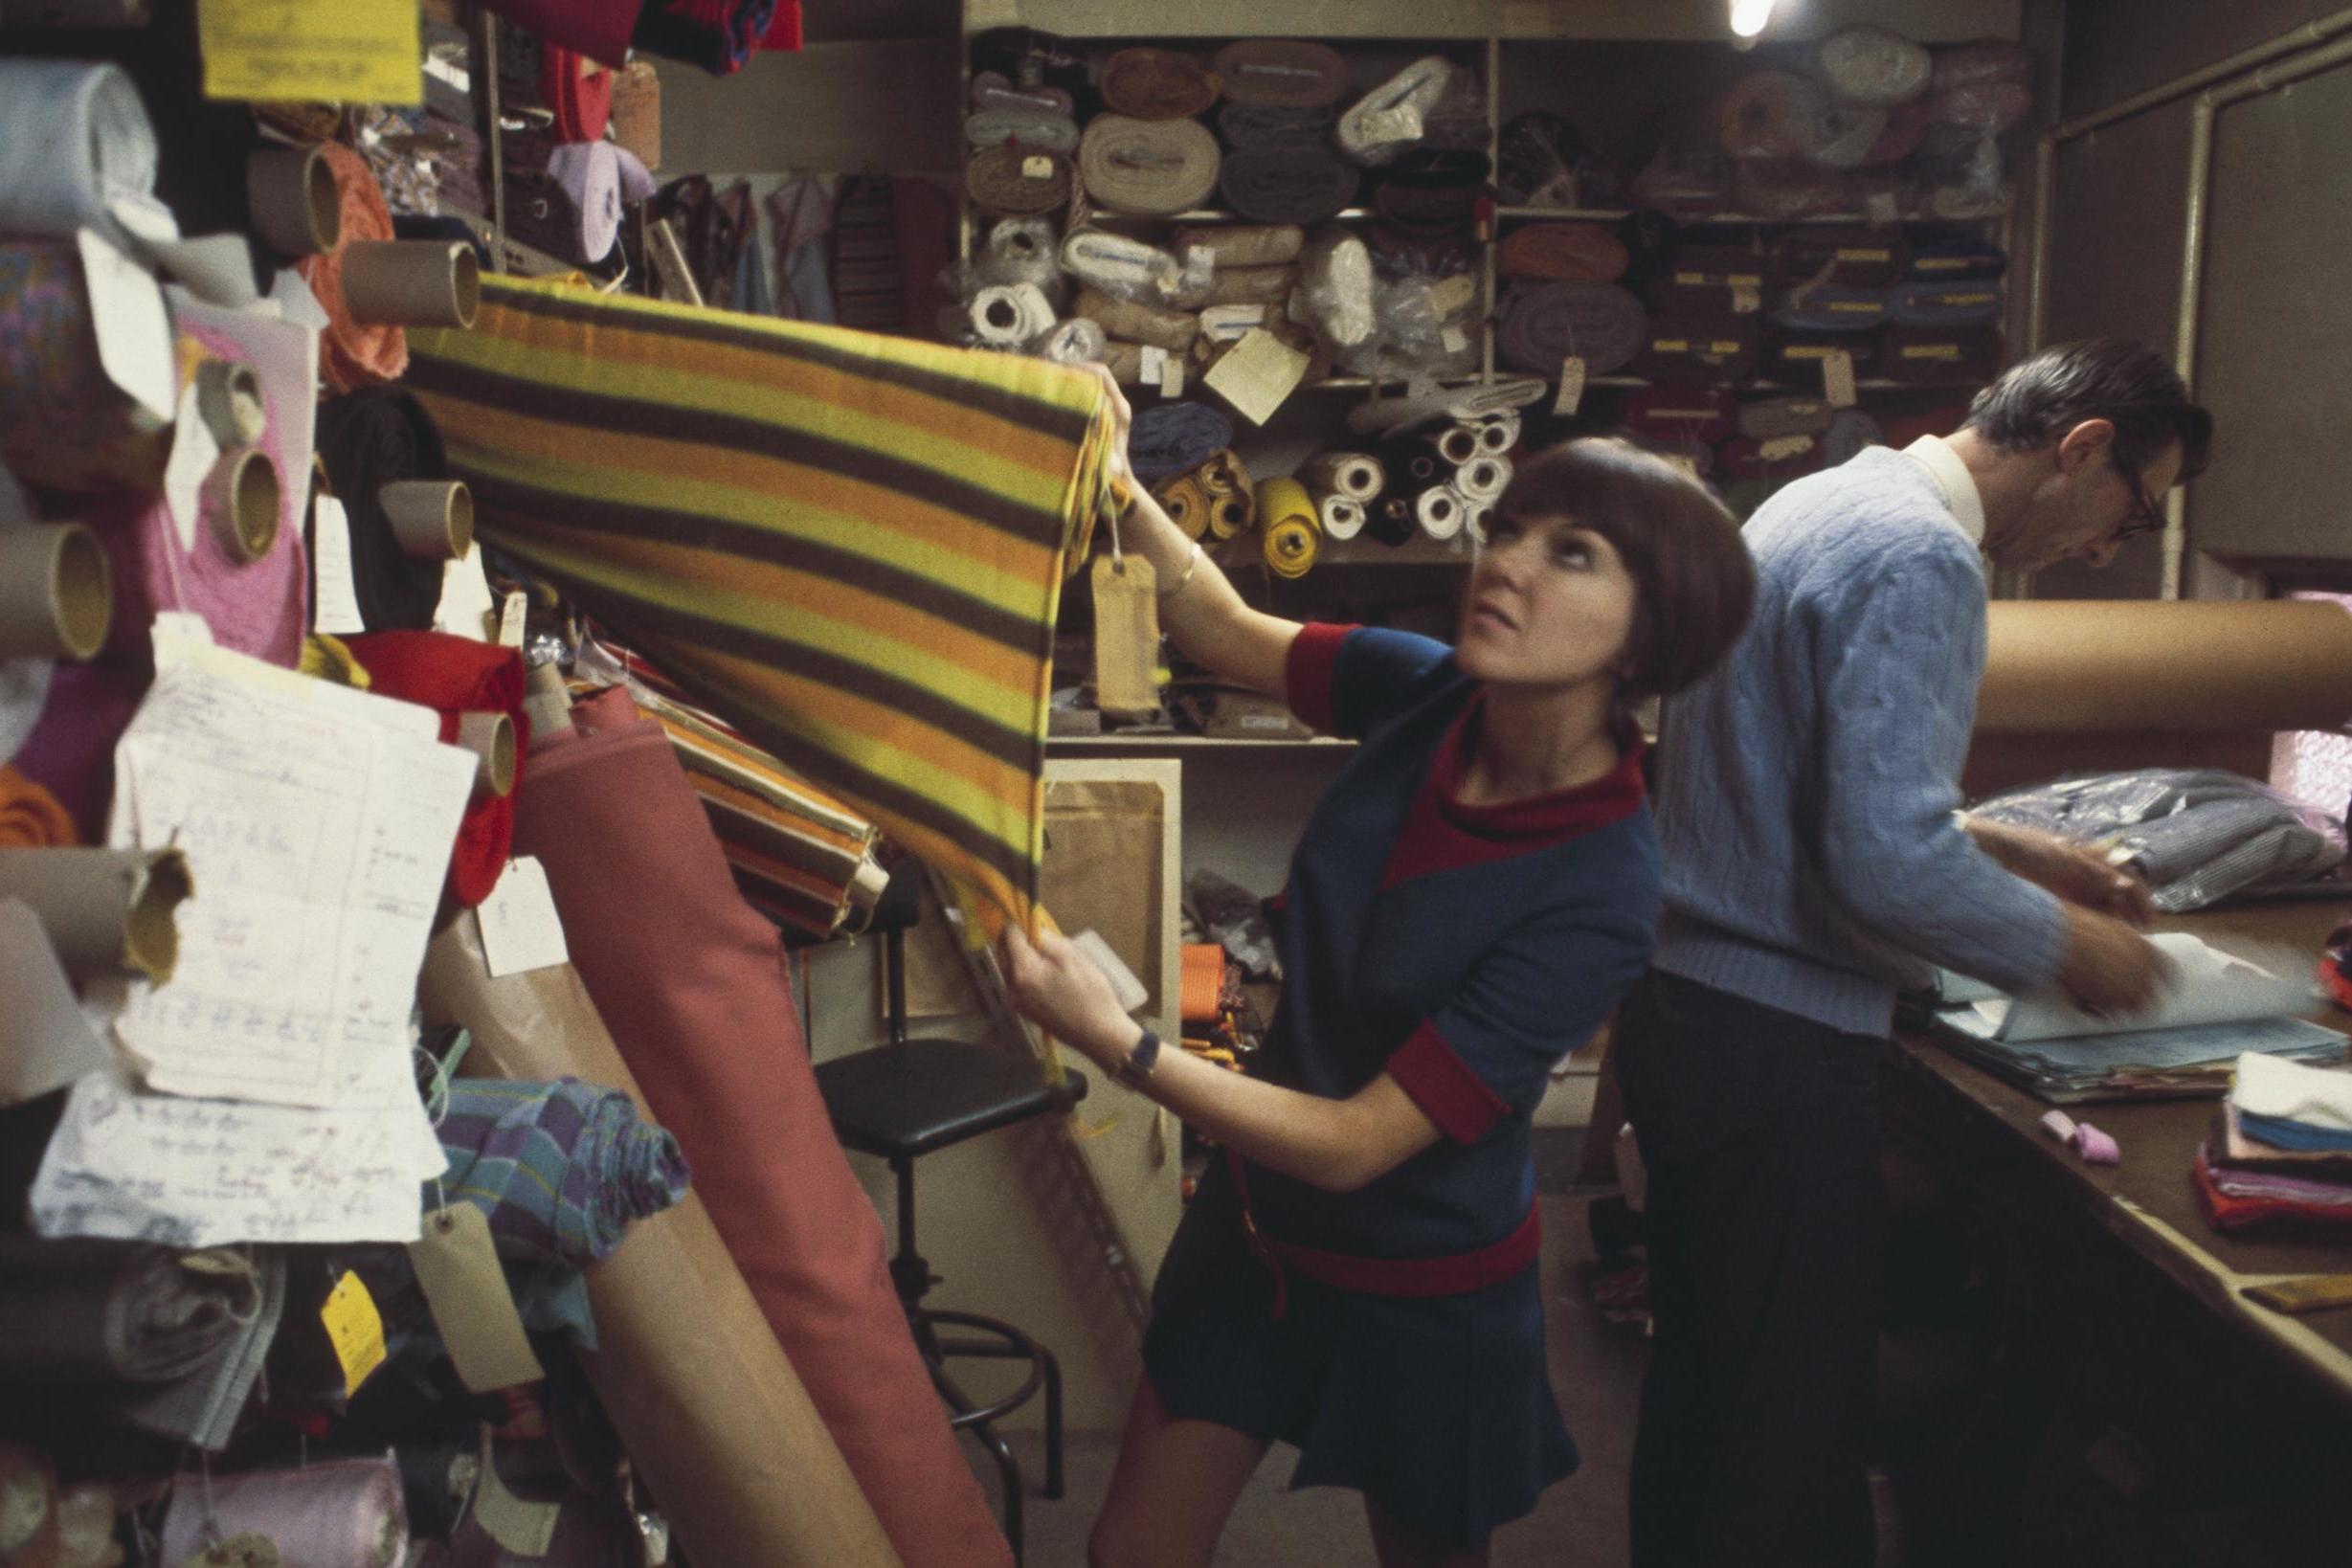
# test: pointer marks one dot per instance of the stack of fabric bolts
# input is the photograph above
(2281, 1152)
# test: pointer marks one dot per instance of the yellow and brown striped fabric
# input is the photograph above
(848, 547)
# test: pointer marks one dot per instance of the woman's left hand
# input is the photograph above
(1058, 988)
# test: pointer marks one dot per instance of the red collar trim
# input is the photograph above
(1612, 797)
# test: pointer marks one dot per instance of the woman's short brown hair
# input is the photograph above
(1695, 580)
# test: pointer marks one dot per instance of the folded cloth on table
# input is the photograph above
(849, 547)
(559, 1168)
(98, 1311)
(2241, 1200)
(1542, 326)
(1147, 168)
(2290, 1091)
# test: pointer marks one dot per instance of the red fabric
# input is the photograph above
(599, 28)
(1454, 1274)
(456, 675)
(922, 217)
(582, 104)
(2225, 1211)
(1442, 1084)
(1307, 671)
(784, 31)
(695, 989)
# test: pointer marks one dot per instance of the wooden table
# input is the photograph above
(2146, 1201)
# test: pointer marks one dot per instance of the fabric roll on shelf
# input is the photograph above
(1028, 129)
(1268, 286)
(1457, 443)
(1705, 350)
(1774, 115)
(1145, 83)
(76, 150)
(1411, 465)
(1433, 188)
(1835, 254)
(1484, 480)
(1252, 126)
(1290, 533)
(338, 1511)
(1281, 73)
(862, 576)
(1849, 433)
(1232, 503)
(461, 680)
(1075, 342)
(68, 427)
(1173, 439)
(1499, 433)
(352, 353)
(1940, 303)
(1008, 315)
(1171, 330)
(1600, 323)
(1186, 504)
(1574, 253)
(1440, 511)
(1147, 168)
(1355, 475)
(101, 1312)
(1872, 66)
(1244, 244)
(1340, 517)
(1390, 520)
(1131, 269)
(1394, 115)
(1125, 361)
(1777, 418)
(1019, 181)
(1500, 398)
(1288, 183)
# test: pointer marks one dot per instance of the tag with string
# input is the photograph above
(1126, 632)
(1571, 385)
(456, 1266)
(355, 1328)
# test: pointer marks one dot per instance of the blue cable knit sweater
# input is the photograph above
(1806, 789)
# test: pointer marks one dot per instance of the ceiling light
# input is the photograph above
(1749, 16)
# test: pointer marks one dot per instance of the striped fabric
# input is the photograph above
(850, 547)
(559, 1168)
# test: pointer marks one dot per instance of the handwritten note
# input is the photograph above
(318, 832)
(299, 49)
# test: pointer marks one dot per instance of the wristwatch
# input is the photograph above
(1135, 1069)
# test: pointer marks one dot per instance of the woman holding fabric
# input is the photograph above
(1471, 897)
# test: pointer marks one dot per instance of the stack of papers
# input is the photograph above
(2217, 1009)
(265, 1094)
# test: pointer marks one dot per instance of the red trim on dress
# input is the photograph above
(1308, 670)
(1436, 1078)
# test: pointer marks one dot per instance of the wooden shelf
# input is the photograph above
(1611, 215)
(1156, 742)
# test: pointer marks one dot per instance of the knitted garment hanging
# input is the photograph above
(849, 547)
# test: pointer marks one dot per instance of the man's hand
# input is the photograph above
(2079, 875)
(2109, 969)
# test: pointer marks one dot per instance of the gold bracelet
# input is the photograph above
(1192, 564)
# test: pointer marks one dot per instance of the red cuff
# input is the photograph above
(1442, 1084)
(1308, 673)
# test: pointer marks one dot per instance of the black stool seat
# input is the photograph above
(904, 1100)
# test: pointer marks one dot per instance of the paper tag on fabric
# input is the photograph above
(1837, 378)
(1571, 385)
(1879, 207)
(133, 328)
(1453, 339)
(1155, 365)
(1037, 166)
(334, 606)
(520, 928)
(456, 1266)
(264, 49)
(525, 1529)
(513, 616)
(1172, 376)
(1746, 299)
(355, 1328)
(1125, 635)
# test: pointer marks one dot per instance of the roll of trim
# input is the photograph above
(1484, 479)
(1440, 511)
(1342, 517)
(1019, 181)
(1355, 475)
(1147, 168)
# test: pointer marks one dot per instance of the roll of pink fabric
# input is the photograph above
(693, 986)
(344, 1510)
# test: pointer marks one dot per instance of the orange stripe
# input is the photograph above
(762, 812)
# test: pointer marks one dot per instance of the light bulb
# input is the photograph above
(1749, 16)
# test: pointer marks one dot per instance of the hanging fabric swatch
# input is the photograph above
(850, 547)
(558, 1169)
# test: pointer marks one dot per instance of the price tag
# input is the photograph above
(1125, 635)
(1037, 166)
(456, 1266)
(1571, 385)
(1837, 378)
(520, 928)
(1453, 339)
(512, 615)
(1172, 376)
(1879, 207)
(355, 1328)
(1155, 365)
(1746, 299)
(335, 606)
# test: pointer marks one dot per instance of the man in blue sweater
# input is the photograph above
(1815, 863)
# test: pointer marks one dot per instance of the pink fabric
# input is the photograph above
(694, 988)
(71, 751)
(344, 1510)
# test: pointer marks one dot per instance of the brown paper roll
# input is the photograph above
(1186, 504)
(687, 1366)
(1246, 245)
(56, 599)
(2185, 666)
(108, 911)
(491, 738)
(1170, 329)
(1252, 286)
(290, 195)
(240, 496)
(412, 283)
(433, 518)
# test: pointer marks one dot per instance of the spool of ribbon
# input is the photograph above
(1499, 433)
(1075, 342)
(342, 1511)
(1289, 535)
(1600, 322)
(1342, 516)
(1017, 180)
(1174, 439)
(1484, 479)
(370, 440)
(1871, 66)
(463, 680)
(1439, 511)
(1244, 245)
(1288, 183)
(1394, 115)
(1147, 83)
(1281, 73)
(1029, 129)
(1574, 253)
(1008, 315)
(290, 195)
(1355, 474)
(352, 353)
(67, 427)
(1147, 168)
(74, 141)
(1172, 330)
(1186, 504)
(573, 195)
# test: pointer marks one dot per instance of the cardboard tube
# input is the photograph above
(240, 496)
(1230, 516)
(108, 911)
(433, 518)
(491, 738)
(2058, 667)
(685, 1363)
(1355, 475)
(1457, 444)
(1496, 436)
(412, 283)
(56, 598)
(229, 399)
(1342, 517)
(290, 195)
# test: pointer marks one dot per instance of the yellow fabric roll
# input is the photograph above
(1291, 537)
(1186, 504)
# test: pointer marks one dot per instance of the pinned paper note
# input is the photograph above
(290, 49)
(1837, 378)
(1257, 375)
(513, 619)
(519, 927)
(132, 328)
(355, 1328)
(334, 606)
(1571, 385)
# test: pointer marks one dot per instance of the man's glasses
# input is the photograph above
(2146, 515)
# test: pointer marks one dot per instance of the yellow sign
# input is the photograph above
(355, 1328)
(322, 51)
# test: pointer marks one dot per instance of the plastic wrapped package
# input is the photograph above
(1075, 342)
(1980, 191)
(1689, 176)
(1772, 114)
(2197, 835)
(1971, 65)
(1418, 335)
(1335, 295)
(1852, 138)
(1540, 152)
(1871, 66)
(1457, 122)
(1782, 189)
(1017, 251)
(1127, 268)
(1394, 115)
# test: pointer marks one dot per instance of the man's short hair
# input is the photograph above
(2127, 384)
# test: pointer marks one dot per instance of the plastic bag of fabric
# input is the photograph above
(2197, 835)
(1231, 916)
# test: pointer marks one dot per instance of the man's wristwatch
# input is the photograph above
(1134, 1070)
